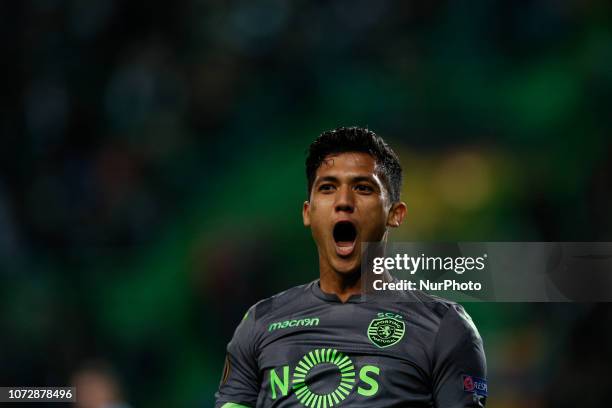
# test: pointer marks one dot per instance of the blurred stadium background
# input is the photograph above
(151, 173)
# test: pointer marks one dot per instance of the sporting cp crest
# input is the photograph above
(386, 331)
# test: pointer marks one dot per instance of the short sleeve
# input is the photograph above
(459, 366)
(240, 381)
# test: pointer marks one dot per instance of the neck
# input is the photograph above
(346, 284)
(343, 285)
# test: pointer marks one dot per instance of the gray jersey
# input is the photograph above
(305, 348)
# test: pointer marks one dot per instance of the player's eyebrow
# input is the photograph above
(358, 179)
(324, 179)
(355, 179)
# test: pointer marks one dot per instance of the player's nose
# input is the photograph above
(344, 200)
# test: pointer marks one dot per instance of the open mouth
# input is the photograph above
(345, 235)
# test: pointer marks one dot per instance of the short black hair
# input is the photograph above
(356, 139)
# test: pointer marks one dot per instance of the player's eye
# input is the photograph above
(364, 188)
(326, 187)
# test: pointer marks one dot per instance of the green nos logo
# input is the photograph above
(324, 378)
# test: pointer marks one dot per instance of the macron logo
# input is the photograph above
(306, 321)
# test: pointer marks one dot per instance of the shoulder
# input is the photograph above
(433, 307)
(435, 304)
(450, 331)
(455, 326)
(450, 313)
(255, 323)
(442, 317)
(279, 303)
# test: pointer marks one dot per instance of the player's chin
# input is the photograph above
(347, 264)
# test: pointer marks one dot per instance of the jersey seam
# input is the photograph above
(465, 336)
(457, 344)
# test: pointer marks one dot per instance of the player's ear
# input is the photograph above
(306, 213)
(396, 214)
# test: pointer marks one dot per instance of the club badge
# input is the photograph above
(386, 331)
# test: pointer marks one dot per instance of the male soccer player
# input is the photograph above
(326, 343)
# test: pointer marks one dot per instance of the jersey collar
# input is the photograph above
(332, 297)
